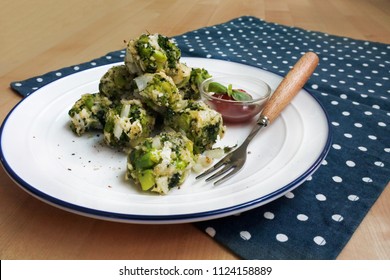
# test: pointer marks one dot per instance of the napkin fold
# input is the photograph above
(317, 219)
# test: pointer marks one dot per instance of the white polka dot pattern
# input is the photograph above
(352, 84)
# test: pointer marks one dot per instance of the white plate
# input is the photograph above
(81, 175)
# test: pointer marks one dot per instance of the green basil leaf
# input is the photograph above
(230, 89)
(217, 87)
(241, 96)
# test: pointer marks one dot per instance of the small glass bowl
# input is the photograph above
(237, 111)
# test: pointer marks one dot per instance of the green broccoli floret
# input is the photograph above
(162, 162)
(199, 123)
(116, 83)
(127, 124)
(89, 113)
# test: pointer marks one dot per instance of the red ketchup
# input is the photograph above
(233, 111)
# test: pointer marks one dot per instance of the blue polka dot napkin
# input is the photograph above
(317, 219)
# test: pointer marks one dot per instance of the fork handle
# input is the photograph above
(289, 87)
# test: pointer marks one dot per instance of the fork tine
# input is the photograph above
(227, 176)
(225, 169)
(212, 168)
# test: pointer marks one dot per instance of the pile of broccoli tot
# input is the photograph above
(150, 108)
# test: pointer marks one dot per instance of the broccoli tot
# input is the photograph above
(127, 124)
(151, 53)
(161, 163)
(199, 123)
(181, 75)
(190, 90)
(88, 113)
(173, 53)
(116, 83)
(159, 92)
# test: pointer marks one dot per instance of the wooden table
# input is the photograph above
(42, 35)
